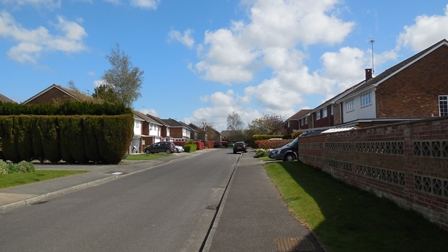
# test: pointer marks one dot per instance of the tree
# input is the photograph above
(234, 122)
(235, 126)
(267, 125)
(123, 79)
(208, 128)
(105, 93)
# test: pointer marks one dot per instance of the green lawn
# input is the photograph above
(19, 178)
(348, 219)
(147, 156)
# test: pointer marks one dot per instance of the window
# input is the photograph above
(332, 110)
(306, 120)
(366, 99)
(350, 105)
(324, 113)
(443, 105)
(137, 124)
(301, 121)
(318, 115)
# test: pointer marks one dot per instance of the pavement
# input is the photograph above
(252, 215)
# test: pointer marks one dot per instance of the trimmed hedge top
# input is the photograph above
(66, 108)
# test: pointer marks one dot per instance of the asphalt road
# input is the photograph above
(167, 208)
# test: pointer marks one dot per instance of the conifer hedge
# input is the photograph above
(89, 133)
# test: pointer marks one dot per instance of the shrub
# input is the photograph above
(190, 147)
(4, 168)
(25, 167)
(261, 153)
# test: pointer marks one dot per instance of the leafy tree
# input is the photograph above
(105, 93)
(267, 125)
(124, 79)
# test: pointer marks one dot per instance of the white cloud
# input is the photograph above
(91, 73)
(185, 38)
(32, 42)
(149, 111)
(352, 69)
(271, 40)
(219, 106)
(98, 83)
(50, 4)
(146, 4)
(426, 31)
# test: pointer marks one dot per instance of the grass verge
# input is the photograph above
(348, 219)
(147, 156)
(19, 178)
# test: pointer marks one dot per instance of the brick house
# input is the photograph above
(293, 123)
(146, 131)
(197, 134)
(56, 93)
(178, 131)
(413, 89)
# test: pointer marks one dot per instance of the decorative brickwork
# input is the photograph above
(405, 162)
(389, 147)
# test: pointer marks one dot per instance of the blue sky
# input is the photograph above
(205, 59)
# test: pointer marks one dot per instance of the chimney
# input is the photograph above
(368, 74)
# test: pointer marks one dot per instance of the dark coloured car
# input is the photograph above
(239, 146)
(167, 147)
(288, 152)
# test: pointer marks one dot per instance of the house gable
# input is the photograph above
(56, 93)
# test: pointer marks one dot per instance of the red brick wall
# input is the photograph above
(414, 91)
(293, 125)
(406, 162)
(50, 96)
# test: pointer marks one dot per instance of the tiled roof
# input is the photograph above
(5, 99)
(145, 117)
(172, 122)
(299, 114)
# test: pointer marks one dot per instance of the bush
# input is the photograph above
(8, 168)
(25, 167)
(261, 153)
(190, 147)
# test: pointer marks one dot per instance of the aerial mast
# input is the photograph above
(373, 63)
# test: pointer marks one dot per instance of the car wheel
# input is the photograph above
(147, 152)
(289, 157)
(168, 151)
(177, 150)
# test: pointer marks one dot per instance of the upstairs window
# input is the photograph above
(301, 122)
(318, 115)
(332, 110)
(306, 120)
(324, 113)
(443, 105)
(366, 99)
(136, 124)
(350, 105)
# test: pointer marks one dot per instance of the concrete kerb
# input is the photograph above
(47, 196)
(217, 218)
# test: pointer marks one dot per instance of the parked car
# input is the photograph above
(287, 152)
(179, 148)
(167, 147)
(239, 146)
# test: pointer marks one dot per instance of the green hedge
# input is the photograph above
(190, 147)
(66, 108)
(74, 139)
